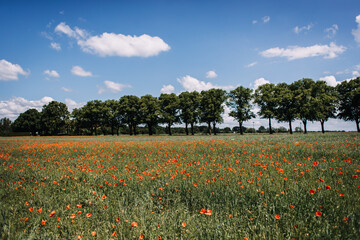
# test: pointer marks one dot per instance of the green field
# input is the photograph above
(181, 187)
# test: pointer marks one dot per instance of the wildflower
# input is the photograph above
(318, 214)
(312, 191)
(104, 196)
(114, 234)
(134, 224)
(31, 209)
(43, 222)
(88, 215)
(277, 216)
(52, 214)
(93, 233)
(328, 187)
(183, 224)
(40, 210)
(141, 236)
(208, 212)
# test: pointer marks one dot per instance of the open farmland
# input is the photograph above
(202, 187)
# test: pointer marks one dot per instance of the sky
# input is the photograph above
(77, 51)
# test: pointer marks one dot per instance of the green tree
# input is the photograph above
(28, 121)
(349, 101)
(211, 107)
(286, 104)
(239, 103)
(129, 109)
(265, 98)
(92, 115)
(112, 115)
(304, 94)
(189, 109)
(150, 111)
(325, 102)
(5, 126)
(54, 116)
(169, 108)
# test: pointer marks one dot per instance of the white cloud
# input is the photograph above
(355, 74)
(9, 71)
(260, 81)
(192, 84)
(297, 29)
(332, 30)
(251, 64)
(296, 52)
(356, 32)
(71, 104)
(16, 105)
(211, 74)
(266, 19)
(254, 21)
(113, 87)
(330, 80)
(79, 71)
(111, 44)
(52, 73)
(167, 89)
(66, 89)
(55, 46)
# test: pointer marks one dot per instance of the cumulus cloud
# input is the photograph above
(71, 104)
(79, 71)
(332, 30)
(260, 81)
(113, 87)
(296, 52)
(266, 19)
(112, 44)
(356, 32)
(192, 84)
(211, 74)
(55, 46)
(298, 30)
(251, 64)
(51, 73)
(13, 107)
(10, 71)
(330, 80)
(167, 89)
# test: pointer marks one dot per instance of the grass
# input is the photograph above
(181, 187)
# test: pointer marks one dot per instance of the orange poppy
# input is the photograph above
(134, 224)
(318, 214)
(277, 216)
(52, 214)
(183, 224)
(43, 222)
(88, 215)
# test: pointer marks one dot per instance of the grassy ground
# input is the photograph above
(182, 187)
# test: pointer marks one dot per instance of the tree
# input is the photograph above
(5, 126)
(325, 102)
(53, 117)
(92, 115)
(112, 115)
(286, 110)
(129, 109)
(211, 107)
(265, 97)
(150, 111)
(169, 108)
(304, 95)
(28, 121)
(349, 101)
(239, 103)
(189, 109)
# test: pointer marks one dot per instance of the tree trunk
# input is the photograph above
(240, 128)
(209, 128)
(270, 130)
(186, 129)
(169, 130)
(192, 128)
(134, 129)
(322, 126)
(214, 127)
(304, 122)
(131, 129)
(290, 128)
(117, 130)
(357, 125)
(150, 129)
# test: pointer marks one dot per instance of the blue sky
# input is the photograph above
(76, 51)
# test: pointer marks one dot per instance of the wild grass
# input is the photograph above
(182, 187)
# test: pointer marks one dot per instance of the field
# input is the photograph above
(196, 187)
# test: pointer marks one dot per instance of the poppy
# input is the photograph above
(52, 214)
(318, 214)
(277, 216)
(134, 224)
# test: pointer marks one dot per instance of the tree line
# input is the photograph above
(306, 100)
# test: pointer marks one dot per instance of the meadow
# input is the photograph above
(182, 187)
